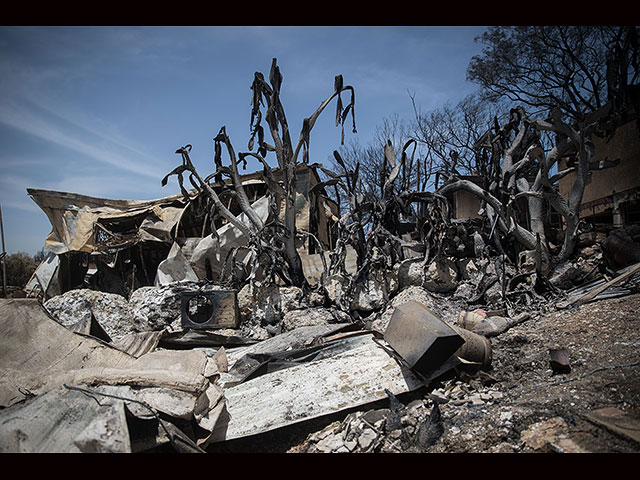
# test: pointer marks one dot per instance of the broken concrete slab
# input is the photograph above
(75, 308)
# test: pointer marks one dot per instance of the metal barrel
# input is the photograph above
(476, 348)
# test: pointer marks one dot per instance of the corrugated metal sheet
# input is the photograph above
(357, 374)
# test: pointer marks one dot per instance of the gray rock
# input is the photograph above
(370, 295)
(441, 276)
(313, 316)
(416, 293)
(367, 437)
(154, 308)
(110, 310)
(410, 272)
(267, 306)
(330, 443)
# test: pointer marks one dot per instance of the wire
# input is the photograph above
(153, 412)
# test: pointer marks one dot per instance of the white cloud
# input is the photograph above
(14, 193)
(73, 135)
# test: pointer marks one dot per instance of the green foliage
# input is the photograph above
(574, 68)
(19, 268)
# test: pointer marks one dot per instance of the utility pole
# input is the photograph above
(3, 258)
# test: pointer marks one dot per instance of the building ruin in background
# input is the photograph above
(612, 193)
(117, 246)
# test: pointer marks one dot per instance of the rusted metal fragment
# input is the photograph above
(81, 223)
(559, 360)
(357, 375)
(45, 278)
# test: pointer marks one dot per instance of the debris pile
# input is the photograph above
(251, 305)
(397, 349)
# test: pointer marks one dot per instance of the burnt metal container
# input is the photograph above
(209, 309)
(422, 339)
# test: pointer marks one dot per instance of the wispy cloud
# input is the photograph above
(72, 135)
(14, 194)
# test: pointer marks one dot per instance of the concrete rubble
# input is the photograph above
(137, 381)
(132, 346)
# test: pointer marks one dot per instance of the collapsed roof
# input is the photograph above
(176, 225)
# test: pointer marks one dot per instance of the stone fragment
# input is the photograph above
(267, 306)
(419, 294)
(367, 438)
(441, 276)
(112, 311)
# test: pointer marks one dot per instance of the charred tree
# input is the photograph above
(273, 243)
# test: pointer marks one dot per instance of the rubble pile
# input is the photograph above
(402, 354)
(140, 379)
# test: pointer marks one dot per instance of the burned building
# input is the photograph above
(465, 204)
(119, 245)
(612, 193)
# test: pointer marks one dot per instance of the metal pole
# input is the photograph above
(4, 257)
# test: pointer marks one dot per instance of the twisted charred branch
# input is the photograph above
(351, 224)
(242, 197)
(510, 226)
(187, 165)
(432, 220)
(268, 95)
(570, 140)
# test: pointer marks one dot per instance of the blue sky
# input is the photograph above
(101, 110)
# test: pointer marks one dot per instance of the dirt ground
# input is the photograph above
(540, 410)
(520, 405)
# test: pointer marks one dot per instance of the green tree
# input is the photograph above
(19, 267)
(576, 69)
